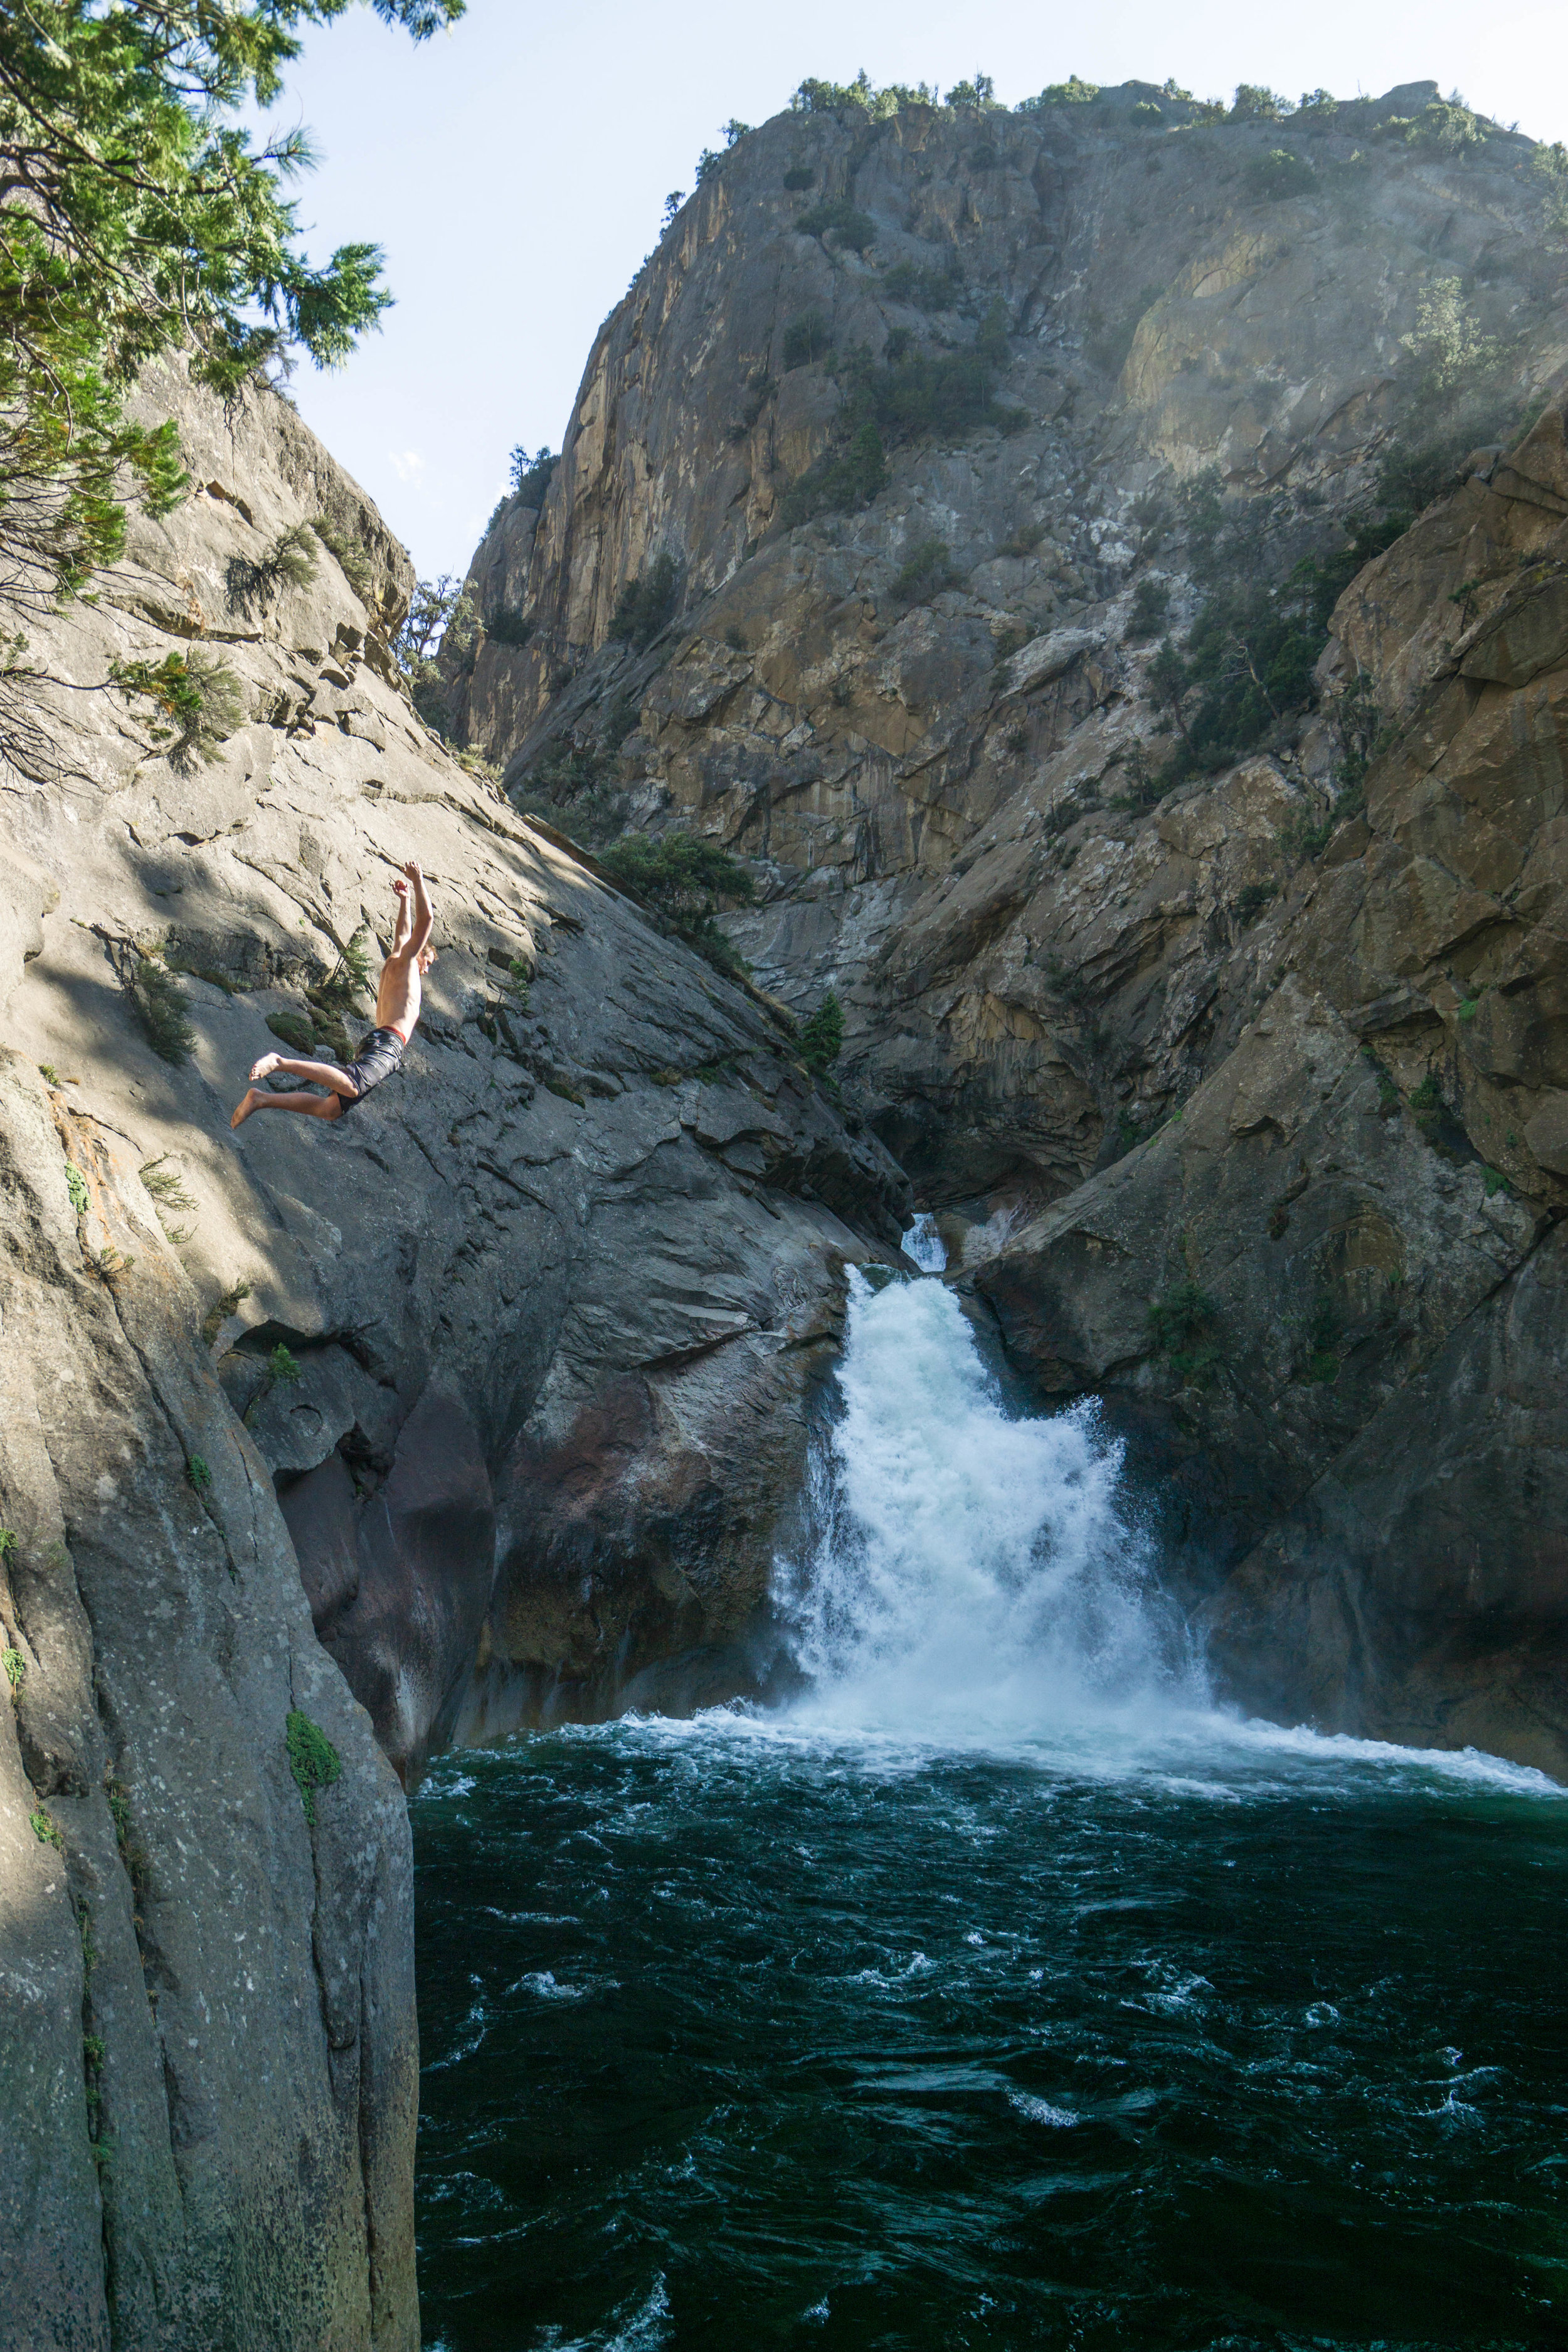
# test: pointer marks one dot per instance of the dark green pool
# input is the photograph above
(739, 2035)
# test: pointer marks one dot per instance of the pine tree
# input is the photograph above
(135, 216)
(822, 1036)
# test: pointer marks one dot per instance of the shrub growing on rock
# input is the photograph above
(312, 1759)
(508, 627)
(290, 561)
(1151, 602)
(822, 1036)
(854, 230)
(929, 570)
(1182, 1329)
(161, 1007)
(807, 337)
(1071, 92)
(352, 560)
(840, 481)
(1279, 175)
(530, 476)
(202, 701)
(684, 880)
(926, 288)
(647, 603)
(1256, 103)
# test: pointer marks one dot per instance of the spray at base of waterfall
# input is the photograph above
(966, 1571)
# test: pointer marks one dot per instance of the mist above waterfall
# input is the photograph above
(967, 1571)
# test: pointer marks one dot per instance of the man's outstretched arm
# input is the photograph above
(424, 918)
(400, 935)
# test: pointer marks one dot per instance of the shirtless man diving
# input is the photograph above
(397, 1000)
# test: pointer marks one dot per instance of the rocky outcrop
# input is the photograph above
(1323, 1301)
(954, 834)
(1240, 1100)
(210, 2082)
(482, 1403)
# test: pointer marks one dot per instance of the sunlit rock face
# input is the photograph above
(1024, 964)
(1239, 1099)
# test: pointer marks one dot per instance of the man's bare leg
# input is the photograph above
(263, 1098)
(325, 1074)
(321, 1073)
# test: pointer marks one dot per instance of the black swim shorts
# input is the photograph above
(376, 1060)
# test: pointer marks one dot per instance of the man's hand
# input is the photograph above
(401, 887)
(411, 867)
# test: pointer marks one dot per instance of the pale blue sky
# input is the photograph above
(514, 170)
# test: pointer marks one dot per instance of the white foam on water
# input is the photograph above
(642, 2326)
(969, 1573)
(972, 1580)
(1040, 2111)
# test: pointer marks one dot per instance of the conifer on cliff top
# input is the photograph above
(135, 215)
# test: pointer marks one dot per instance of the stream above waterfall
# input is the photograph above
(1002, 1991)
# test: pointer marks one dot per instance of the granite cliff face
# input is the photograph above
(1242, 1094)
(490, 1397)
(1241, 1090)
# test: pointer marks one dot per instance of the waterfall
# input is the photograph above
(968, 1570)
(924, 1245)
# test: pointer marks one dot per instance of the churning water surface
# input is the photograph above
(1004, 1991)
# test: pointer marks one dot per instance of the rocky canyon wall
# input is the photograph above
(320, 1440)
(1236, 1079)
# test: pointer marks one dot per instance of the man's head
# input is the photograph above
(425, 959)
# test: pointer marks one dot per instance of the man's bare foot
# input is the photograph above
(264, 1068)
(245, 1109)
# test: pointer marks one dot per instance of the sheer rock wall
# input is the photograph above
(552, 1302)
(942, 831)
(1239, 1107)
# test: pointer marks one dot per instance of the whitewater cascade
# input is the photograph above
(967, 1571)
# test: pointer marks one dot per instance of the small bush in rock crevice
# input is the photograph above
(685, 880)
(508, 627)
(290, 561)
(1151, 602)
(839, 482)
(1181, 1330)
(807, 337)
(161, 1006)
(926, 288)
(226, 1304)
(312, 1759)
(929, 570)
(352, 560)
(838, 217)
(201, 701)
(822, 1036)
(647, 603)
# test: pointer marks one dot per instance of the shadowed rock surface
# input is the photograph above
(492, 1394)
